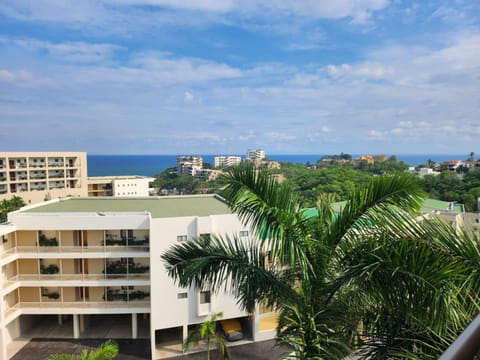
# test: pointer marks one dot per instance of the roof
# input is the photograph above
(158, 207)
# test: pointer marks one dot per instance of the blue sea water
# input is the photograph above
(149, 165)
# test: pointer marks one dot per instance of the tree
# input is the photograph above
(7, 206)
(107, 351)
(368, 277)
(208, 332)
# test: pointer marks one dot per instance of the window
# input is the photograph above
(182, 295)
(205, 297)
(205, 236)
(182, 238)
(244, 233)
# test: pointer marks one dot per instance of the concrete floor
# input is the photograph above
(39, 349)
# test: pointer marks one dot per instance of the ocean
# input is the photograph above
(149, 165)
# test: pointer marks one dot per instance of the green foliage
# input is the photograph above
(448, 186)
(107, 351)
(369, 278)
(207, 332)
(7, 206)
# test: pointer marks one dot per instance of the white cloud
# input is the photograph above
(188, 96)
(69, 51)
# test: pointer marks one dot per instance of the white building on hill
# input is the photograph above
(226, 161)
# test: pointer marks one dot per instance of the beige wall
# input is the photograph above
(28, 266)
(66, 238)
(96, 293)
(30, 294)
(95, 237)
(68, 294)
(96, 266)
(68, 266)
(26, 238)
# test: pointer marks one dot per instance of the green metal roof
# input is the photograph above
(162, 207)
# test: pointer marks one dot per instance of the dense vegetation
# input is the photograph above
(7, 206)
(449, 186)
(369, 278)
(337, 177)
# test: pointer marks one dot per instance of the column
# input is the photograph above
(134, 326)
(60, 319)
(76, 328)
(82, 323)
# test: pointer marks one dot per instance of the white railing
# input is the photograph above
(74, 249)
(77, 277)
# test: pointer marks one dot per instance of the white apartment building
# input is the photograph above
(255, 154)
(189, 165)
(40, 176)
(76, 262)
(226, 161)
(119, 186)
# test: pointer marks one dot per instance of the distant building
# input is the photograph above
(427, 171)
(255, 154)
(189, 165)
(226, 161)
(40, 176)
(119, 186)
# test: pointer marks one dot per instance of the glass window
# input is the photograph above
(182, 238)
(182, 295)
(205, 297)
(243, 233)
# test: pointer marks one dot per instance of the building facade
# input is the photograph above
(255, 154)
(40, 176)
(226, 161)
(119, 186)
(83, 260)
(189, 165)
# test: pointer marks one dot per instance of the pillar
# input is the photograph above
(134, 326)
(60, 319)
(82, 323)
(76, 327)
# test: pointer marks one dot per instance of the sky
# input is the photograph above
(220, 77)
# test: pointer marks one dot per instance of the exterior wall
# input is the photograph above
(82, 276)
(164, 233)
(226, 161)
(40, 176)
(134, 187)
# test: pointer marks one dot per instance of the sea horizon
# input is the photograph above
(151, 164)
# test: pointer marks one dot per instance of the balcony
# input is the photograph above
(106, 250)
(76, 277)
(66, 307)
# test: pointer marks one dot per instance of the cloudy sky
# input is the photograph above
(218, 77)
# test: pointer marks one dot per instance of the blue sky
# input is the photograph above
(219, 77)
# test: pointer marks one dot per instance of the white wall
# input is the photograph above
(167, 310)
(79, 221)
(133, 187)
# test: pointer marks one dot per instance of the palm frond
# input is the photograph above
(272, 210)
(229, 264)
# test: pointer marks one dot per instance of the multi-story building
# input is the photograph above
(39, 176)
(189, 165)
(226, 161)
(69, 265)
(255, 154)
(119, 186)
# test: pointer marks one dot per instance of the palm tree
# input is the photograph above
(339, 278)
(107, 351)
(208, 332)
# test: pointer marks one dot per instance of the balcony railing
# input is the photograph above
(73, 249)
(77, 277)
(144, 304)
